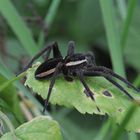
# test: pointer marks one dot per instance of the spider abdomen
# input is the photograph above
(46, 69)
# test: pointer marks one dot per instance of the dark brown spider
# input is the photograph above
(74, 65)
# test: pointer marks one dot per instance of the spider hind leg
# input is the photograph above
(120, 87)
(115, 75)
(109, 78)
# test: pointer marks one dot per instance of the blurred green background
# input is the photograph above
(110, 29)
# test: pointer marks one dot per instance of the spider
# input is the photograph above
(73, 65)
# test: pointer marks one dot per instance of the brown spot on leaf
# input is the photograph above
(120, 109)
(107, 93)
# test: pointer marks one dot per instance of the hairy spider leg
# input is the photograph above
(92, 57)
(90, 93)
(56, 52)
(70, 52)
(48, 48)
(109, 71)
(97, 73)
(52, 82)
(71, 46)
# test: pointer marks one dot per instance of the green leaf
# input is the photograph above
(40, 128)
(71, 94)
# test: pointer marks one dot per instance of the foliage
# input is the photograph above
(116, 105)
(93, 25)
(10, 105)
(40, 128)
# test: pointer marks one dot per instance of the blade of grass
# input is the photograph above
(127, 22)
(14, 20)
(122, 8)
(49, 18)
(10, 81)
(125, 30)
(109, 19)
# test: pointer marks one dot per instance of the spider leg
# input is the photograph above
(119, 86)
(91, 59)
(109, 71)
(47, 48)
(97, 73)
(88, 91)
(46, 56)
(56, 52)
(71, 46)
(52, 82)
(70, 53)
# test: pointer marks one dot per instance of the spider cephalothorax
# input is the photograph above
(74, 65)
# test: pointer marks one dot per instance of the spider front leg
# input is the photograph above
(88, 91)
(71, 46)
(48, 48)
(52, 82)
(90, 59)
(70, 52)
(99, 73)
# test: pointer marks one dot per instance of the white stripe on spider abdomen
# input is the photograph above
(74, 63)
(43, 74)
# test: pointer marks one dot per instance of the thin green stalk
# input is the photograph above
(49, 18)
(127, 22)
(108, 13)
(10, 81)
(52, 12)
(122, 8)
(9, 124)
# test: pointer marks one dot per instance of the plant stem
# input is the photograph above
(127, 22)
(108, 13)
(49, 18)
(122, 8)
(6, 84)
